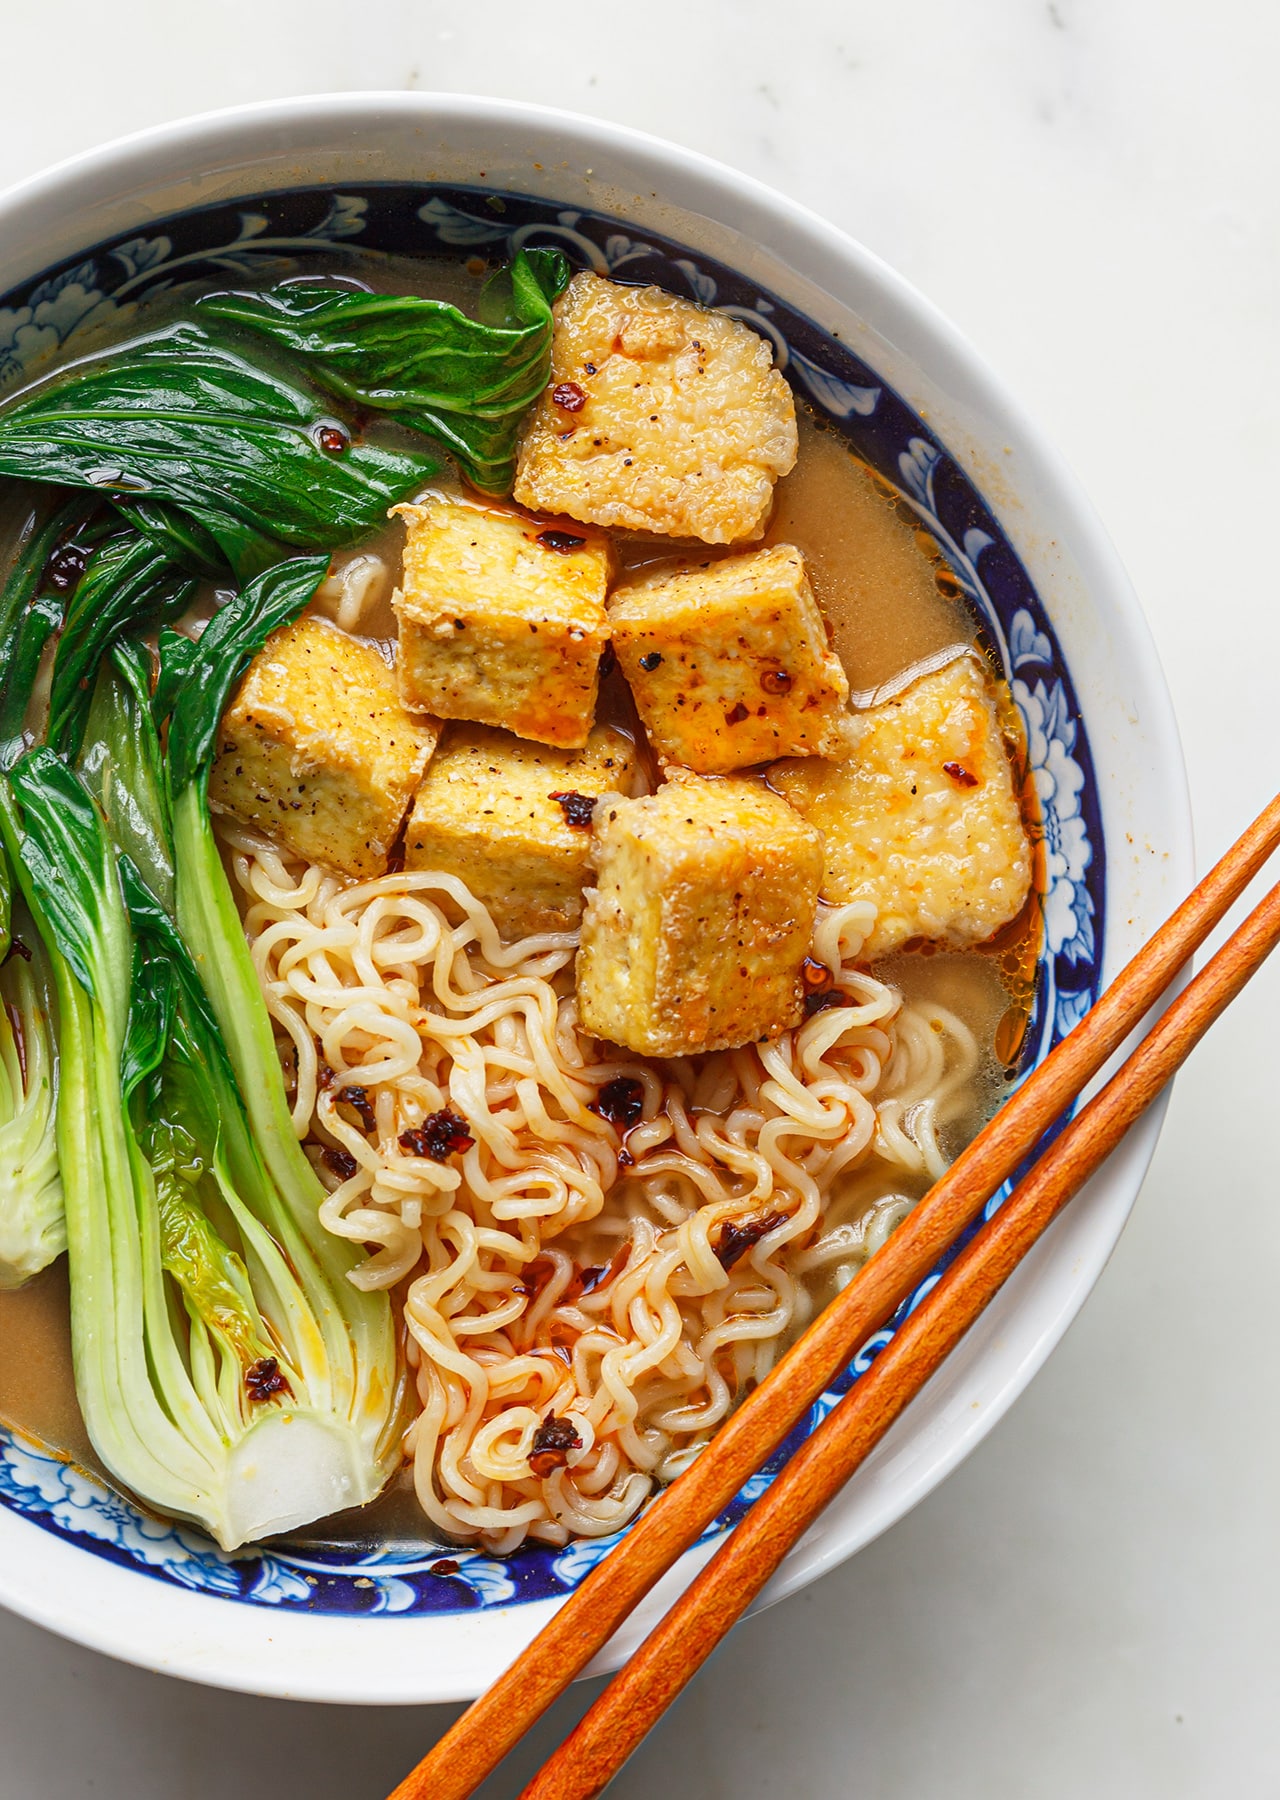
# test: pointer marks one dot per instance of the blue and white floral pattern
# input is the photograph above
(284, 232)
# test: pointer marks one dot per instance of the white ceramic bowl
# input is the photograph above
(135, 1605)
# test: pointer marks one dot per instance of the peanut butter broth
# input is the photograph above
(875, 574)
(37, 1388)
(891, 602)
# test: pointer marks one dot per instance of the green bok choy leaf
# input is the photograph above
(466, 382)
(209, 453)
(127, 584)
(50, 555)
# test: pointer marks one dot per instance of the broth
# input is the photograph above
(891, 602)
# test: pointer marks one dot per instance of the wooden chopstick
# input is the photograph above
(479, 1740)
(684, 1638)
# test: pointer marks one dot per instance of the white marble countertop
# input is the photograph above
(1089, 1606)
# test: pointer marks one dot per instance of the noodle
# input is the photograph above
(553, 1270)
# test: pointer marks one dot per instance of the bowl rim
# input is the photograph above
(311, 1656)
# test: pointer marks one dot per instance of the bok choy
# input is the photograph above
(466, 382)
(231, 1366)
(228, 1370)
(214, 457)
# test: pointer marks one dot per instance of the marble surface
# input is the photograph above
(1089, 1605)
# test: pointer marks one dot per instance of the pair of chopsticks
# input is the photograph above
(705, 1612)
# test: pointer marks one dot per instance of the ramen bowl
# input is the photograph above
(267, 189)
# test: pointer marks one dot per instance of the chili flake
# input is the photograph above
(552, 1442)
(736, 1240)
(357, 1098)
(569, 396)
(264, 1379)
(577, 808)
(776, 681)
(340, 1162)
(959, 774)
(820, 999)
(438, 1136)
(563, 541)
(620, 1101)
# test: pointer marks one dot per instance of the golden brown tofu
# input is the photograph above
(502, 620)
(730, 664)
(317, 751)
(923, 819)
(485, 813)
(659, 416)
(700, 920)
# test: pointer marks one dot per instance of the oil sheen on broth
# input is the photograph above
(892, 603)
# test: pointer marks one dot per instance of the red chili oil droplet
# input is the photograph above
(815, 974)
(569, 395)
(536, 1276)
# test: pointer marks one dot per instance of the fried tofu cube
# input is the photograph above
(700, 919)
(730, 664)
(317, 751)
(659, 416)
(923, 819)
(502, 620)
(487, 814)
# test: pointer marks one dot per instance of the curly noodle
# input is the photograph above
(629, 1286)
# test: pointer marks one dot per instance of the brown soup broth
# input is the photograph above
(892, 601)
